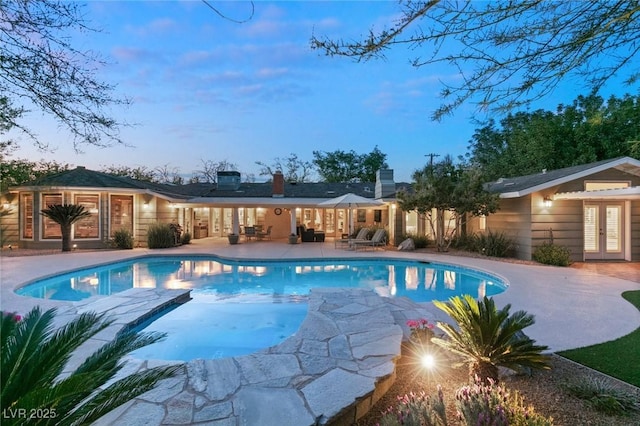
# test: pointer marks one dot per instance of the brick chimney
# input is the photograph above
(278, 184)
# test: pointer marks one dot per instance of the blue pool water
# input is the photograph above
(208, 329)
(422, 282)
(241, 307)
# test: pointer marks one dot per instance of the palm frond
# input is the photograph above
(120, 392)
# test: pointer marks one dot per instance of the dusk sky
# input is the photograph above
(206, 88)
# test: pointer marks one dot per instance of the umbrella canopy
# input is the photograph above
(350, 201)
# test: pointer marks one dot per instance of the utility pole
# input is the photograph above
(431, 155)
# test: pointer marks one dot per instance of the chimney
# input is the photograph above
(228, 180)
(278, 184)
(385, 186)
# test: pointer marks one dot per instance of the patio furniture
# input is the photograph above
(249, 233)
(266, 234)
(378, 239)
(346, 242)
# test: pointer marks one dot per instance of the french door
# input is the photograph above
(603, 230)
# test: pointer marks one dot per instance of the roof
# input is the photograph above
(81, 177)
(524, 185)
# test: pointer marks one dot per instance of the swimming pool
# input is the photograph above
(223, 279)
(239, 307)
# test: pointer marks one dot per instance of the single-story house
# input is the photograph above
(593, 209)
(202, 209)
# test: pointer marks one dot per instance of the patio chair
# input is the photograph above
(378, 239)
(266, 234)
(249, 233)
(361, 236)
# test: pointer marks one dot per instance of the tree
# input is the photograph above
(341, 166)
(588, 130)
(508, 53)
(293, 168)
(447, 187)
(210, 169)
(139, 173)
(34, 356)
(16, 172)
(65, 215)
(487, 338)
(40, 67)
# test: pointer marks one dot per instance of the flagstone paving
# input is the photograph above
(338, 364)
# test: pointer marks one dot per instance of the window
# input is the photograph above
(50, 229)
(89, 226)
(596, 186)
(121, 213)
(482, 223)
(26, 209)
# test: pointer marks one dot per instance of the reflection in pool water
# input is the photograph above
(422, 282)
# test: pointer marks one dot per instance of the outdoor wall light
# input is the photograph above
(6, 205)
(145, 205)
(547, 202)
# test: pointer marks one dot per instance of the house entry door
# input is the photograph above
(603, 230)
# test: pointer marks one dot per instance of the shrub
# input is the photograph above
(486, 337)
(186, 238)
(603, 397)
(160, 235)
(122, 239)
(491, 404)
(416, 409)
(420, 241)
(35, 355)
(552, 254)
(495, 244)
(465, 242)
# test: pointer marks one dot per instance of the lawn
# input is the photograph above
(617, 358)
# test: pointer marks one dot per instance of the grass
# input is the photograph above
(617, 358)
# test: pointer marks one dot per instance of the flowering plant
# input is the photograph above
(12, 316)
(421, 330)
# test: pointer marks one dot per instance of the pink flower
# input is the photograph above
(17, 318)
(423, 321)
(412, 323)
(430, 326)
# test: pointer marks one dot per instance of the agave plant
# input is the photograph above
(65, 215)
(34, 355)
(487, 338)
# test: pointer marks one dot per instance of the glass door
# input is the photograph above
(603, 230)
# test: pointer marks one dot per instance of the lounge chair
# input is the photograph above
(378, 239)
(346, 242)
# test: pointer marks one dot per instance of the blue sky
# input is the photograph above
(205, 88)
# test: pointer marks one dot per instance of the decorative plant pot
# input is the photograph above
(233, 238)
(293, 239)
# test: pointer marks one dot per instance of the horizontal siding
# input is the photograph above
(562, 222)
(607, 175)
(513, 220)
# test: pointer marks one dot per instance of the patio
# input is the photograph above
(573, 307)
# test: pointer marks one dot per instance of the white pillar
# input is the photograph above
(235, 226)
(293, 221)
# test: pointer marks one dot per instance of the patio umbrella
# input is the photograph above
(350, 201)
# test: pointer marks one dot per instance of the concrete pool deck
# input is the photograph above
(573, 307)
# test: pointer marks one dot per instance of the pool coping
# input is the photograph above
(350, 337)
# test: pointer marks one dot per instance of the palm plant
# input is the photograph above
(65, 215)
(33, 358)
(487, 338)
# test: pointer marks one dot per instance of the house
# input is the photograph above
(203, 209)
(592, 209)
